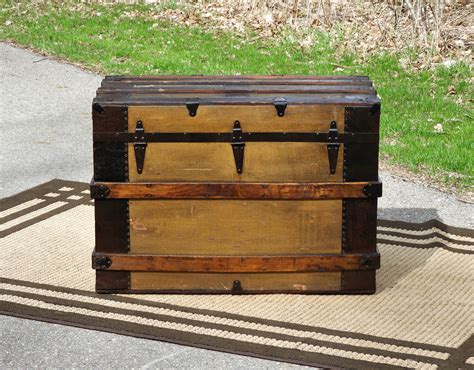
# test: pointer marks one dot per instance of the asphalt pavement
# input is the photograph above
(46, 133)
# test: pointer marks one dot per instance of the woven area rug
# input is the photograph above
(421, 317)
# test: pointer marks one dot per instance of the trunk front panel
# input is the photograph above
(235, 227)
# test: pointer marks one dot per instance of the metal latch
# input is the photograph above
(236, 287)
(238, 146)
(139, 146)
(280, 105)
(192, 106)
(333, 148)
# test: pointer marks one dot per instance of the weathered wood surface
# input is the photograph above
(360, 225)
(111, 281)
(358, 281)
(308, 118)
(244, 79)
(296, 85)
(265, 162)
(235, 227)
(208, 283)
(237, 99)
(240, 77)
(224, 190)
(263, 264)
(111, 225)
(238, 89)
(126, 88)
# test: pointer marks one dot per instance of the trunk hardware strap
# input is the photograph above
(237, 139)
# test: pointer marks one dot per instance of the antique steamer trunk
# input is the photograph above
(256, 184)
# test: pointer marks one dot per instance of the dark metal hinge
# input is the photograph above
(192, 106)
(238, 146)
(102, 263)
(236, 287)
(99, 191)
(333, 148)
(280, 105)
(373, 190)
(139, 146)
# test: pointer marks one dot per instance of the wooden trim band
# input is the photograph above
(236, 89)
(182, 263)
(223, 190)
(278, 77)
(256, 99)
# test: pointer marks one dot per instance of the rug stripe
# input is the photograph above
(384, 242)
(39, 191)
(130, 317)
(427, 225)
(421, 234)
(43, 215)
(37, 211)
(238, 326)
(212, 343)
(460, 357)
(225, 315)
(21, 207)
(428, 241)
(210, 325)
(31, 215)
(18, 216)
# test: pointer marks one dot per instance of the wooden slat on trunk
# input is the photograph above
(234, 89)
(262, 264)
(226, 190)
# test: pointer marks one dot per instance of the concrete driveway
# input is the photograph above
(46, 133)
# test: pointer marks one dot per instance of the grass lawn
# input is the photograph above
(413, 102)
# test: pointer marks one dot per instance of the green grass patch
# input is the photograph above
(107, 39)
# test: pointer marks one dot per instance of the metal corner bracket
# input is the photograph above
(99, 191)
(373, 190)
(101, 263)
